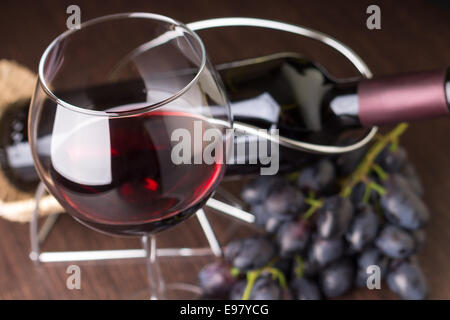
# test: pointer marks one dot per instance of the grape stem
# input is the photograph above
(380, 172)
(253, 275)
(299, 269)
(367, 163)
(314, 205)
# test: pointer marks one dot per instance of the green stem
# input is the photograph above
(394, 145)
(379, 171)
(366, 196)
(313, 202)
(293, 176)
(365, 165)
(310, 212)
(278, 275)
(314, 205)
(253, 275)
(375, 186)
(251, 279)
(235, 272)
(299, 269)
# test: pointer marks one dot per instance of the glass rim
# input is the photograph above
(116, 114)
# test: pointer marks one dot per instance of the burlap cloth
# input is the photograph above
(17, 84)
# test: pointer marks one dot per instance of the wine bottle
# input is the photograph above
(315, 107)
(283, 91)
(15, 154)
(318, 108)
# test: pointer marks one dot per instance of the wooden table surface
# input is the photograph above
(414, 35)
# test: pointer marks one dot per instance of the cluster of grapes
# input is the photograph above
(329, 228)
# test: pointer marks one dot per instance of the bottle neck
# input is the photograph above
(343, 103)
(393, 99)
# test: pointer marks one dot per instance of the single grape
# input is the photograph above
(324, 251)
(270, 222)
(401, 206)
(257, 189)
(266, 288)
(284, 201)
(370, 257)
(334, 217)
(305, 289)
(395, 242)
(273, 224)
(408, 281)
(215, 280)
(392, 161)
(292, 237)
(237, 291)
(261, 214)
(337, 278)
(363, 229)
(318, 177)
(250, 253)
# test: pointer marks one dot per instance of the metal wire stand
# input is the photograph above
(39, 235)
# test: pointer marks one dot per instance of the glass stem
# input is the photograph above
(155, 281)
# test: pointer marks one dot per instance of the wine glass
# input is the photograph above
(119, 138)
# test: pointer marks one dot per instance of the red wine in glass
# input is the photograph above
(146, 192)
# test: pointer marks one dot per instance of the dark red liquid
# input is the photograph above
(146, 192)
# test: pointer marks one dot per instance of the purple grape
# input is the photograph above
(395, 242)
(402, 206)
(250, 253)
(369, 257)
(334, 217)
(363, 229)
(318, 177)
(305, 289)
(273, 224)
(257, 190)
(292, 237)
(260, 213)
(392, 161)
(266, 288)
(324, 251)
(216, 280)
(372, 256)
(337, 278)
(237, 290)
(284, 201)
(408, 281)
(269, 222)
